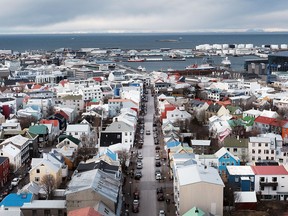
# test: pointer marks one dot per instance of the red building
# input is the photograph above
(4, 170)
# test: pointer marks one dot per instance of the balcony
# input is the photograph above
(268, 184)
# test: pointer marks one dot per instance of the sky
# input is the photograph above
(145, 16)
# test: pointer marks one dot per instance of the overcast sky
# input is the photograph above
(98, 16)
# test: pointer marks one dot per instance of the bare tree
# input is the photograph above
(25, 122)
(49, 184)
(123, 157)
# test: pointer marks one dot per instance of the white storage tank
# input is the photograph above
(225, 46)
(283, 46)
(249, 46)
(274, 46)
(217, 46)
(241, 46)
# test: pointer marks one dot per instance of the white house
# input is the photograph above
(14, 155)
(271, 182)
(178, 114)
(78, 130)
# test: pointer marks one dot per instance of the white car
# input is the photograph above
(158, 176)
(15, 181)
(161, 213)
(157, 156)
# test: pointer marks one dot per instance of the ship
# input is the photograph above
(226, 62)
(136, 59)
(200, 67)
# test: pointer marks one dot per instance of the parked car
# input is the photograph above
(157, 163)
(148, 132)
(159, 190)
(135, 207)
(157, 148)
(140, 156)
(139, 165)
(137, 175)
(15, 182)
(160, 197)
(157, 157)
(161, 213)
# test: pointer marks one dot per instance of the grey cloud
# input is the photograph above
(149, 15)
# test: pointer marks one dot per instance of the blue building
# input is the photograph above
(225, 158)
(242, 178)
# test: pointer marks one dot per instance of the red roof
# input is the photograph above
(61, 112)
(264, 120)
(88, 211)
(97, 79)
(62, 82)
(46, 121)
(269, 170)
(224, 103)
(270, 121)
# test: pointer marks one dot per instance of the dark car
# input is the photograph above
(157, 148)
(137, 175)
(157, 163)
(159, 190)
(160, 197)
(136, 195)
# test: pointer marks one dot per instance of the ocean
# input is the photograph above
(51, 42)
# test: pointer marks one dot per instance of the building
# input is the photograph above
(225, 159)
(271, 182)
(4, 170)
(44, 207)
(192, 180)
(241, 178)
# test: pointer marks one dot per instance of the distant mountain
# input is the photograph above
(255, 30)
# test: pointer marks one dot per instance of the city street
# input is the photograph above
(149, 205)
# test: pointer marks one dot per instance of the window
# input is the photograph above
(272, 151)
(259, 144)
(262, 179)
(274, 179)
(37, 179)
(262, 188)
(266, 144)
(37, 170)
(76, 133)
(274, 188)
(237, 179)
(234, 149)
(253, 151)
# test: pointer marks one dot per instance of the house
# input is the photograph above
(19, 142)
(225, 159)
(89, 188)
(234, 110)
(195, 211)
(271, 182)
(62, 118)
(14, 155)
(41, 166)
(204, 181)
(4, 170)
(44, 207)
(53, 128)
(252, 113)
(115, 106)
(87, 211)
(245, 200)
(72, 101)
(241, 178)
(78, 131)
(270, 125)
(178, 114)
(217, 110)
(127, 131)
(68, 141)
(43, 134)
(12, 203)
(238, 147)
(11, 129)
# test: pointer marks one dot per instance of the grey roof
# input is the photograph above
(96, 180)
(45, 204)
(119, 126)
(193, 174)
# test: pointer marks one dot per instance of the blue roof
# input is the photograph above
(111, 154)
(172, 144)
(15, 200)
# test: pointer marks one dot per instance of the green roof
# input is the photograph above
(71, 138)
(38, 129)
(232, 109)
(235, 122)
(195, 212)
(248, 120)
(233, 142)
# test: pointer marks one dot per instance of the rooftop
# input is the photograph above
(269, 170)
(16, 200)
(240, 170)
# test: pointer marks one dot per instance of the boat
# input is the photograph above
(226, 62)
(136, 59)
(207, 64)
(200, 67)
(140, 68)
